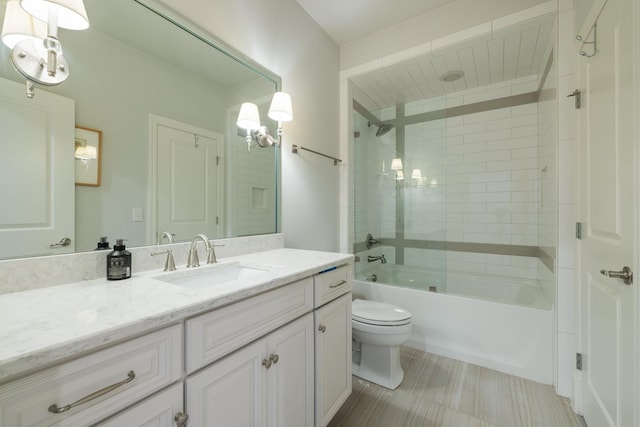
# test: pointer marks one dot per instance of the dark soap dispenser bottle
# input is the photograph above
(102, 244)
(119, 262)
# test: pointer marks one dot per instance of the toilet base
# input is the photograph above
(380, 365)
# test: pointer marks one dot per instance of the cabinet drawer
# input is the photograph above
(158, 410)
(215, 334)
(331, 284)
(154, 359)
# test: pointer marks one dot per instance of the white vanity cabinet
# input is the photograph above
(267, 383)
(332, 342)
(89, 389)
(278, 358)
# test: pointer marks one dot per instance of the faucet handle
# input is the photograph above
(169, 264)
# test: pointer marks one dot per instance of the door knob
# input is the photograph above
(626, 274)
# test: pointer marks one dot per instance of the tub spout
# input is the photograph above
(380, 258)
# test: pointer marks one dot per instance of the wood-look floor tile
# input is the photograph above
(442, 392)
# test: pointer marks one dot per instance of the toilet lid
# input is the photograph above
(378, 313)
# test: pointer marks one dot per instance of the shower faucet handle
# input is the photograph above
(371, 241)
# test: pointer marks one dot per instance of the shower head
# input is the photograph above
(383, 128)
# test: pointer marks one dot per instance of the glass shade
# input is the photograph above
(396, 164)
(249, 117)
(280, 109)
(416, 174)
(399, 175)
(19, 25)
(71, 14)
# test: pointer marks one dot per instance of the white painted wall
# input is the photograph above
(279, 35)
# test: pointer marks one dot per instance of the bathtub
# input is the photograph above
(493, 323)
(524, 292)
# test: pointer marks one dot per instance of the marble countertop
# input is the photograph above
(42, 326)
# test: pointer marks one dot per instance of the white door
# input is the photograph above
(290, 380)
(37, 172)
(607, 213)
(188, 181)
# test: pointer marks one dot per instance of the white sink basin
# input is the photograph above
(209, 276)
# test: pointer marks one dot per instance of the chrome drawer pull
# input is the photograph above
(342, 282)
(58, 410)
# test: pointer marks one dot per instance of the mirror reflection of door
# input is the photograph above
(37, 171)
(189, 180)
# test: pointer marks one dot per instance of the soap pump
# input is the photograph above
(102, 244)
(119, 262)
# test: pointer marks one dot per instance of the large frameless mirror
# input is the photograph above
(149, 110)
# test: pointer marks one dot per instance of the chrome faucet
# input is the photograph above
(166, 234)
(192, 258)
(380, 258)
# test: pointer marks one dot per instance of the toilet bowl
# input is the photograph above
(378, 331)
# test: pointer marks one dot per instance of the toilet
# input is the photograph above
(378, 331)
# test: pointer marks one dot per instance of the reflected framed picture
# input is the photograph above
(88, 150)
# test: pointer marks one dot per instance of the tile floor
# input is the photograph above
(437, 391)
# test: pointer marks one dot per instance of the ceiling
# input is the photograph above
(511, 53)
(348, 20)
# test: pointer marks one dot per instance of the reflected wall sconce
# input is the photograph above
(396, 166)
(416, 176)
(280, 109)
(30, 30)
(249, 120)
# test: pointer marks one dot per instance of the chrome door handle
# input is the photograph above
(65, 241)
(626, 274)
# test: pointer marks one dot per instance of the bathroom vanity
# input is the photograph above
(267, 342)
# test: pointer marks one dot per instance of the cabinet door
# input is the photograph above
(157, 411)
(333, 357)
(231, 392)
(290, 401)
